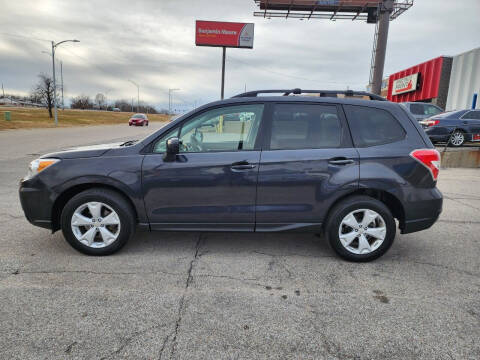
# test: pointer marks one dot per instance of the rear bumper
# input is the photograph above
(36, 203)
(423, 213)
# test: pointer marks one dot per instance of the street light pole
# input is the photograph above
(138, 94)
(54, 80)
(170, 98)
(54, 85)
(61, 76)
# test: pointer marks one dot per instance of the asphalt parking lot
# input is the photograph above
(233, 296)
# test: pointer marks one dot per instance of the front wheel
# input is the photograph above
(360, 228)
(97, 222)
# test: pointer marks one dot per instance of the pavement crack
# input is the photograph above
(458, 221)
(130, 339)
(90, 272)
(446, 267)
(163, 347)
(292, 254)
(182, 302)
(244, 280)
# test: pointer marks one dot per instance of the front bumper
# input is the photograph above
(36, 203)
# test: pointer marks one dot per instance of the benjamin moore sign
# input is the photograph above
(406, 84)
(227, 34)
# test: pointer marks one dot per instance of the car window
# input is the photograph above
(432, 110)
(161, 144)
(372, 126)
(305, 126)
(229, 128)
(472, 115)
(417, 109)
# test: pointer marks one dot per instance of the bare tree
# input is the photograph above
(43, 92)
(81, 102)
(100, 100)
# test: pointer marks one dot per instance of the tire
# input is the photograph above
(457, 138)
(336, 224)
(146, 124)
(110, 203)
(129, 124)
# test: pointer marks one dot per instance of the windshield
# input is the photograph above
(139, 116)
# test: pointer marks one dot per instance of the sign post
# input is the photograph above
(224, 34)
(223, 72)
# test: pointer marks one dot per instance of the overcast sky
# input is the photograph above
(153, 43)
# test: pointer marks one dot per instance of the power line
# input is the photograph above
(24, 37)
(260, 68)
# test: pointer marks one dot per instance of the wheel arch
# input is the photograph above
(70, 192)
(391, 202)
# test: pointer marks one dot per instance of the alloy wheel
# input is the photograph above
(362, 231)
(457, 138)
(95, 224)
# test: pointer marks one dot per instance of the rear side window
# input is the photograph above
(472, 115)
(305, 126)
(372, 126)
(417, 109)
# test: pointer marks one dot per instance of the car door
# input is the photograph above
(307, 162)
(471, 123)
(212, 183)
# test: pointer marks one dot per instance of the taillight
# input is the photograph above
(430, 122)
(430, 158)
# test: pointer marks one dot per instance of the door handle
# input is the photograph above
(241, 165)
(340, 161)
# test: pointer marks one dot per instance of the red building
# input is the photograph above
(425, 82)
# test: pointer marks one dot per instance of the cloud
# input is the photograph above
(152, 43)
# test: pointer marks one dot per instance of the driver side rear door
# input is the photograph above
(212, 183)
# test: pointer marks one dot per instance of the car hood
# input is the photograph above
(83, 151)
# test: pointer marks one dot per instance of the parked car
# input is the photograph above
(421, 110)
(138, 120)
(342, 166)
(116, 109)
(455, 127)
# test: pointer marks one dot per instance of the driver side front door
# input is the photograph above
(212, 183)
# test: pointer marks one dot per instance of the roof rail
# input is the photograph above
(323, 93)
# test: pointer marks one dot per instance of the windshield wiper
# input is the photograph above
(129, 143)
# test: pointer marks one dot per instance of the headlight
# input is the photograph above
(38, 165)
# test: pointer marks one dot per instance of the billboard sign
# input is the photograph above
(406, 84)
(224, 34)
(319, 5)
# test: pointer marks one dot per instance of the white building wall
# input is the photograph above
(464, 80)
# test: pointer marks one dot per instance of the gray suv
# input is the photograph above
(334, 163)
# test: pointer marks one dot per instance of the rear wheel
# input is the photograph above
(457, 138)
(97, 222)
(360, 228)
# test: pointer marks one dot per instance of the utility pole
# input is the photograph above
(61, 76)
(170, 98)
(384, 11)
(3, 90)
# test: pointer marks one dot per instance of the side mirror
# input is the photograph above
(173, 148)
